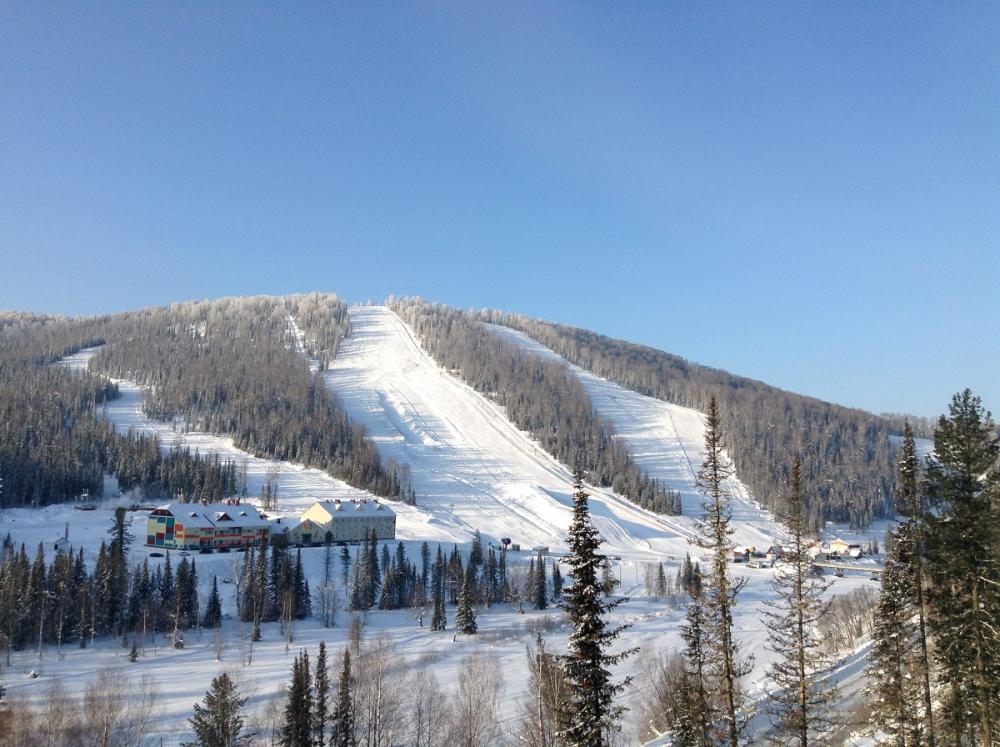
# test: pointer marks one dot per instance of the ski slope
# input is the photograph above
(298, 486)
(471, 468)
(666, 441)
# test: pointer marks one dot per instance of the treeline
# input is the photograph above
(138, 460)
(54, 444)
(233, 366)
(390, 581)
(540, 397)
(846, 456)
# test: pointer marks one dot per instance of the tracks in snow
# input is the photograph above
(471, 467)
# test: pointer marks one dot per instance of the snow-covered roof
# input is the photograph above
(355, 507)
(213, 515)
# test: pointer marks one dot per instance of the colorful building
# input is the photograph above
(206, 526)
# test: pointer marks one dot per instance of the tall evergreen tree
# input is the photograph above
(321, 697)
(438, 619)
(342, 720)
(589, 717)
(696, 712)
(721, 591)
(303, 600)
(910, 555)
(963, 480)
(539, 593)
(801, 703)
(465, 616)
(219, 723)
(892, 688)
(298, 728)
(213, 609)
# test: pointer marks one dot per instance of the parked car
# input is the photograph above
(156, 555)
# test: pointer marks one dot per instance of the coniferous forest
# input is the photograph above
(541, 397)
(847, 462)
(235, 366)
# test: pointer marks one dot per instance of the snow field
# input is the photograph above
(471, 467)
(666, 441)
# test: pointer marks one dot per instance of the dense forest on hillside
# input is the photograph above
(54, 445)
(541, 397)
(846, 456)
(237, 366)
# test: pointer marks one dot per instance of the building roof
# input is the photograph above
(363, 507)
(214, 515)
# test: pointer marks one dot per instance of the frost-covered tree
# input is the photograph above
(801, 704)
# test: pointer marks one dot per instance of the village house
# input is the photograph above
(845, 549)
(206, 526)
(346, 521)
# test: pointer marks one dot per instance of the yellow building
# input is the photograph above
(351, 521)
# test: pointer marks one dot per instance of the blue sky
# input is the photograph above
(804, 193)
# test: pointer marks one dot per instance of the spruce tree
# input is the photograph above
(345, 565)
(963, 482)
(438, 619)
(910, 555)
(213, 609)
(801, 703)
(693, 725)
(557, 582)
(589, 716)
(219, 723)
(321, 697)
(721, 591)
(892, 689)
(465, 616)
(298, 728)
(303, 600)
(540, 591)
(342, 719)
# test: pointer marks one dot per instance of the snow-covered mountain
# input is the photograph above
(471, 469)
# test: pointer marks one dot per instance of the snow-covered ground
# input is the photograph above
(182, 676)
(471, 467)
(666, 441)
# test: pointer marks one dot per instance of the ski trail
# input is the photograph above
(471, 467)
(665, 440)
